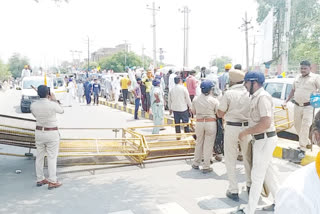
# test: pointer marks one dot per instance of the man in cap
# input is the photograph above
(205, 108)
(234, 107)
(96, 88)
(300, 192)
(224, 78)
(180, 104)
(303, 86)
(25, 72)
(157, 105)
(261, 127)
(46, 135)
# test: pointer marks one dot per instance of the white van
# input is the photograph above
(29, 94)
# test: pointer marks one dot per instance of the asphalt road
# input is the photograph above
(160, 187)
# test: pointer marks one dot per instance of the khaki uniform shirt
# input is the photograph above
(179, 99)
(45, 111)
(261, 106)
(205, 106)
(236, 103)
(304, 86)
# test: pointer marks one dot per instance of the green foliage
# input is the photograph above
(304, 27)
(116, 62)
(220, 62)
(92, 65)
(16, 64)
(4, 72)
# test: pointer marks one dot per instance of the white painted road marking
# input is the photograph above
(123, 212)
(172, 208)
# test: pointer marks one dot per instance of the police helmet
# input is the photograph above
(254, 76)
(206, 86)
(315, 100)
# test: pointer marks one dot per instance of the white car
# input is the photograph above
(29, 95)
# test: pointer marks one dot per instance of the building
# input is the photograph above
(105, 52)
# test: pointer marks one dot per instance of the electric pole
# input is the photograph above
(88, 54)
(154, 9)
(143, 56)
(185, 12)
(253, 51)
(285, 38)
(246, 27)
(125, 54)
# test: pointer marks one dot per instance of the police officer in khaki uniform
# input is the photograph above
(234, 107)
(261, 127)
(46, 135)
(303, 87)
(205, 107)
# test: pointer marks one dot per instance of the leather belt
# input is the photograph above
(206, 120)
(237, 123)
(301, 105)
(46, 129)
(261, 136)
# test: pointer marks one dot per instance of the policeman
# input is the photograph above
(261, 127)
(303, 87)
(46, 135)
(205, 107)
(234, 107)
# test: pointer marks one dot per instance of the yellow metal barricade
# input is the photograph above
(281, 119)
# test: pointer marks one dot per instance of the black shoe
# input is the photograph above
(195, 167)
(269, 208)
(240, 211)
(248, 190)
(233, 196)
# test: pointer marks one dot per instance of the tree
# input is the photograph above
(303, 26)
(220, 62)
(117, 62)
(16, 64)
(4, 72)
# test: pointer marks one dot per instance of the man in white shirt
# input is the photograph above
(46, 135)
(180, 104)
(171, 81)
(299, 194)
(25, 72)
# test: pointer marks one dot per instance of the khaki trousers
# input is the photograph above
(231, 140)
(47, 142)
(206, 135)
(302, 122)
(262, 151)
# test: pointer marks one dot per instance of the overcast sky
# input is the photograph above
(46, 32)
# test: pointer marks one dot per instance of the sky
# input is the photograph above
(45, 32)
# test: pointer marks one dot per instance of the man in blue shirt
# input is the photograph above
(87, 91)
(96, 88)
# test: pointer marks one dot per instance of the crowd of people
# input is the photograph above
(239, 99)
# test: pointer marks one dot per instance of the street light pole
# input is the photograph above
(154, 9)
(88, 53)
(185, 12)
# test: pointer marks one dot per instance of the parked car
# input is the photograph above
(29, 95)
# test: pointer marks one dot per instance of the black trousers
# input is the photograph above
(125, 96)
(181, 116)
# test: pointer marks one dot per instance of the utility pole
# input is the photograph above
(185, 12)
(285, 38)
(143, 56)
(154, 9)
(125, 54)
(88, 54)
(246, 27)
(253, 51)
